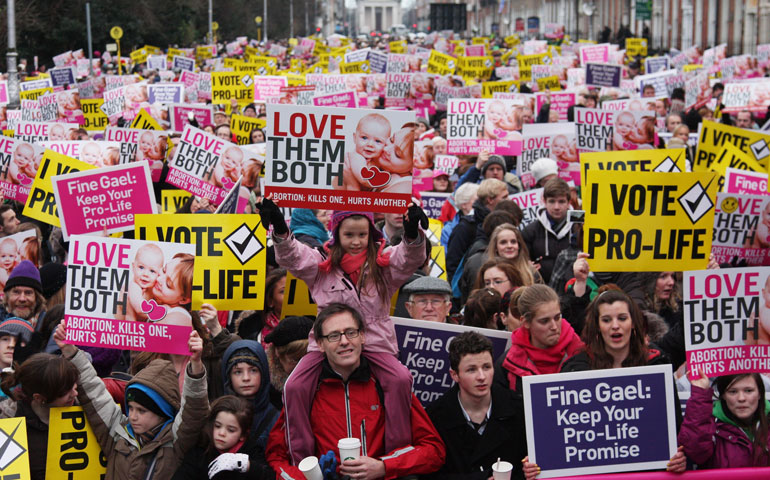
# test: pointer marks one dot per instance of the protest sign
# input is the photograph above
(18, 166)
(437, 262)
(732, 157)
(644, 222)
(296, 299)
(697, 91)
(157, 62)
(14, 456)
(424, 349)
(530, 202)
(241, 126)
(488, 89)
(339, 159)
(594, 54)
(144, 121)
(600, 421)
(560, 103)
(446, 163)
(713, 137)
(743, 182)
(433, 202)
(636, 46)
(34, 132)
(657, 80)
(178, 114)
(165, 93)
(62, 76)
(599, 130)
(441, 63)
(268, 86)
(727, 321)
(551, 83)
(656, 64)
(751, 96)
(136, 145)
(97, 154)
(30, 111)
(603, 75)
(477, 124)
(398, 90)
(475, 67)
(526, 62)
(41, 201)
(230, 255)
(658, 160)
(106, 198)
(120, 294)
(742, 228)
(344, 99)
(226, 86)
(93, 117)
(183, 63)
(73, 451)
(554, 140)
(172, 200)
(205, 165)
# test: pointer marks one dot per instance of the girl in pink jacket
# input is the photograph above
(358, 272)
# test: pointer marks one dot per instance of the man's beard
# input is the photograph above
(22, 312)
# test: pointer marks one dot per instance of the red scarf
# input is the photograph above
(351, 264)
(234, 448)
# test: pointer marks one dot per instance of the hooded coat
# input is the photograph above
(159, 457)
(265, 414)
(544, 243)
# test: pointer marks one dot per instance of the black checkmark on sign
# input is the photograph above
(241, 246)
(704, 191)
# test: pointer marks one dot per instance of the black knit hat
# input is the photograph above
(53, 277)
(242, 355)
(24, 275)
(139, 396)
(290, 329)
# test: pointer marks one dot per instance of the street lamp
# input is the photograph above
(13, 74)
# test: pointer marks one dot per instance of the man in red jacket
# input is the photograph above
(349, 398)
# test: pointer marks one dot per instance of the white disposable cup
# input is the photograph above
(310, 468)
(350, 448)
(501, 470)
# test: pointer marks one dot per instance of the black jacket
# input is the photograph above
(469, 456)
(195, 465)
(544, 244)
(463, 236)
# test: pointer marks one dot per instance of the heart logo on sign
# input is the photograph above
(23, 179)
(376, 177)
(154, 311)
(227, 183)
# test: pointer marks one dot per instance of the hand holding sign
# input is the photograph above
(209, 316)
(60, 337)
(415, 217)
(271, 215)
(195, 344)
(531, 470)
(678, 462)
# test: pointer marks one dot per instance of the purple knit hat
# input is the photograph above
(26, 275)
(339, 216)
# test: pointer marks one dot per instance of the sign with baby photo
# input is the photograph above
(179, 115)
(339, 159)
(599, 130)
(15, 248)
(34, 132)
(727, 320)
(530, 202)
(230, 255)
(207, 166)
(98, 154)
(41, 201)
(129, 294)
(140, 145)
(484, 124)
(18, 166)
(553, 140)
(106, 198)
(648, 221)
(742, 228)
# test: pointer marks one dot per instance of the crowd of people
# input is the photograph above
(262, 392)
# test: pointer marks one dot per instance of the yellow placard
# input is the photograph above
(174, 52)
(636, 46)
(8, 133)
(172, 200)
(295, 79)
(139, 55)
(691, 67)
(41, 201)
(355, 67)
(488, 89)
(95, 119)
(526, 62)
(73, 451)
(512, 40)
(648, 222)
(398, 46)
(480, 41)
(144, 121)
(226, 86)
(15, 453)
(441, 63)
(229, 260)
(242, 126)
(732, 157)
(204, 52)
(671, 160)
(296, 299)
(714, 137)
(35, 94)
(549, 83)
(476, 67)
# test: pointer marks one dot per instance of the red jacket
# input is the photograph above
(360, 399)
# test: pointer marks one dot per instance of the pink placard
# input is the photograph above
(345, 99)
(743, 182)
(109, 197)
(714, 474)
(127, 335)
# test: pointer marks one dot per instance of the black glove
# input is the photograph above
(271, 215)
(414, 218)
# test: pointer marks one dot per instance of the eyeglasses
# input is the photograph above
(335, 337)
(423, 302)
(495, 282)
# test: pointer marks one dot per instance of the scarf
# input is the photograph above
(271, 322)
(351, 264)
(236, 447)
(544, 361)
